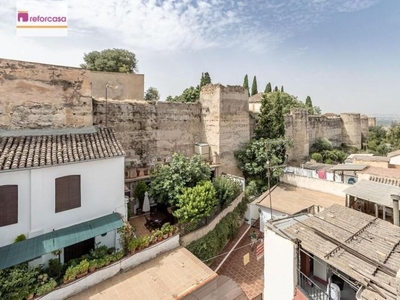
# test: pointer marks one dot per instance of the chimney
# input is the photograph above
(395, 199)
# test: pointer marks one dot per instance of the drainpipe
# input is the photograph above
(395, 199)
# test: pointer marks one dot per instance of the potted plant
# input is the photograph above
(165, 230)
(139, 192)
(140, 243)
(83, 268)
(70, 274)
(101, 262)
(92, 265)
(158, 235)
(120, 254)
(146, 241)
(171, 230)
(132, 245)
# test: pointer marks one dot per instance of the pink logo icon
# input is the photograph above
(22, 16)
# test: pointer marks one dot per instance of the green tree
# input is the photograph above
(376, 140)
(276, 89)
(282, 90)
(226, 190)
(393, 135)
(110, 60)
(152, 94)
(168, 181)
(205, 79)
(246, 84)
(254, 86)
(317, 110)
(271, 122)
(268, 88)
(309, 105)
(196, 203)
(252, 160)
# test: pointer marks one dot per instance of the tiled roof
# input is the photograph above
(19, 152)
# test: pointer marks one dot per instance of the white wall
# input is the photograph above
(395, 160)
(102, 192)
(320, 269)
(319, 185)
(10, 232)
(266, 215)
(279, 266)
(252, 212)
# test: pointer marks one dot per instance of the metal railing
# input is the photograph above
(310, 288)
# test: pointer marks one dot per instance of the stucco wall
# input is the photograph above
(195, 235)
(43, 96)
(122, 86)
(279, 266)
(320, 185)
(101, 193)
(125, 264)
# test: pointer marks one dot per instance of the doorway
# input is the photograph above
(77, 250)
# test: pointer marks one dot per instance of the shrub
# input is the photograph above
(321, 145)
(317, 157)
(212, 243)
(226, 190)
(140, 189)
(46, 287)
(55, 268)
(20, 238)
(196, 203)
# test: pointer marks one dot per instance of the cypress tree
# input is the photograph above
(276, 89)
(246, 84)
(205, 79)
(268, 88)
(282, 90)
(309, 105)
(254, 86)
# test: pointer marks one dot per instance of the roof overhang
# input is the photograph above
(37, 246)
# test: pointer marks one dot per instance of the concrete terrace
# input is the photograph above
(175, 273)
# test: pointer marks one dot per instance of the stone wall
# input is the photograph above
(149, 129)
(122, 86)
(351, 129)
(225, 122)
(37, 95)
(325, 127)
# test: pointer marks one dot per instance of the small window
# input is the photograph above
(68, 192)
(8, 205)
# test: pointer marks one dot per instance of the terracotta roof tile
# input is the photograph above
(20, 152)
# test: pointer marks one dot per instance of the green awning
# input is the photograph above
(37, 246)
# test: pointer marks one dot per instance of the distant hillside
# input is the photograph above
(386, 121)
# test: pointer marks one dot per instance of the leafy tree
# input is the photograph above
(276, 89)
(317, 157)
(321, 145)
(140, 189)
(271, 122)
(309, 105)
(226, 190)
(168, 181)
(152, 94)
(282, 90)
(268, 88)
(205, 79)
(110, 60)
(317, 110)
(252, 160)
(246, 84)
(376, 140)
(393, 135)
(254, 86)
(189, 95)
(196, 203)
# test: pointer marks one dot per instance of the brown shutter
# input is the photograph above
(68, 192)
(74, 191)
(8, 205)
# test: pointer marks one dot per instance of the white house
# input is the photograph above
(62, 191)
(394, 157)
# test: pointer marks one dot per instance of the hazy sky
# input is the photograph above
(345, 54)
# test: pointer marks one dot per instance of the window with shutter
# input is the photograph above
(68, 192)
(8, 205)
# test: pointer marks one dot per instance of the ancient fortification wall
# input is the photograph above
(351, 129)
(43, 96)
(325, 127)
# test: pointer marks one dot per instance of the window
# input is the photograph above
(8, 205)
(68, 192)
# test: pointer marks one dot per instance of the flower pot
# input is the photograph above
(92, 269)
(133, 251)
(67, 281)
(107, 263)
(139, 248)
(30, 296)
(165, 236)
(159, 238)
(81, 275)
(170, 234)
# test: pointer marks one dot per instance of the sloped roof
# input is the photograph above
(21, 152)
(256, 98)
(393, 153)
(357, 244)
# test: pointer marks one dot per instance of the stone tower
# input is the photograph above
(351, 129)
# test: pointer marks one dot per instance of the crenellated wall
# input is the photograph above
(325, 127)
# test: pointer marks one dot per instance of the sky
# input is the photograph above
(344, 54)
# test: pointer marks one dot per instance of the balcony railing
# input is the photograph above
(310, 288)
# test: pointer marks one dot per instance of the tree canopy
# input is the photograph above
(205, 79)
(309, 105)
(168, 181)
(268, 88)
(152, 94)
(110, 60)
(254, 89)
(190, 94)
(246, 84)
